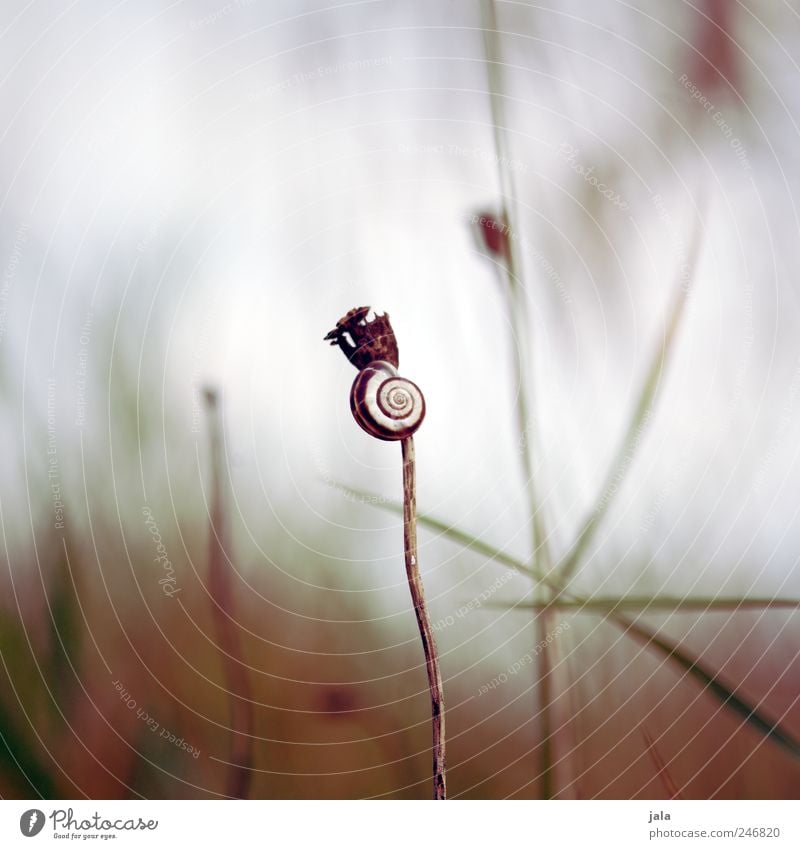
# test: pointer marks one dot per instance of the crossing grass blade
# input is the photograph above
(660, 645)
(648, 396)
(710, 682)
(441, 527)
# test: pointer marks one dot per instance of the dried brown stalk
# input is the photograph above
(391, 408)
(423, 619)
(221, 589)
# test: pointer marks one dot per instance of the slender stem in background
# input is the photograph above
(520, 332)
(517, 308)
(546, 701)
(661, 767)
(423, 620)
(221, 589)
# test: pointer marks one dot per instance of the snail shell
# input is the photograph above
(384, 404)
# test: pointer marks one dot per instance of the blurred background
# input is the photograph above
(581, 217)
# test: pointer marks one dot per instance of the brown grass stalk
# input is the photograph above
(221, 588)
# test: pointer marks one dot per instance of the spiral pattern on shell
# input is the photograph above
(384, 404)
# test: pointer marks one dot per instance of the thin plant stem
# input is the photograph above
(220, 586)
(540, 554)
(546, 698)
(512, 267)
(525, 437)
(423, 619)
(661, 767)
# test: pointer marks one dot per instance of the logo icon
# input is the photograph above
(31, 822)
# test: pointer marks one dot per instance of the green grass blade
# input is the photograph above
(446, 530)
(655, 604)
(648, 396)
(710, 683)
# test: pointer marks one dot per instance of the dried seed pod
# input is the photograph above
(364, 341)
